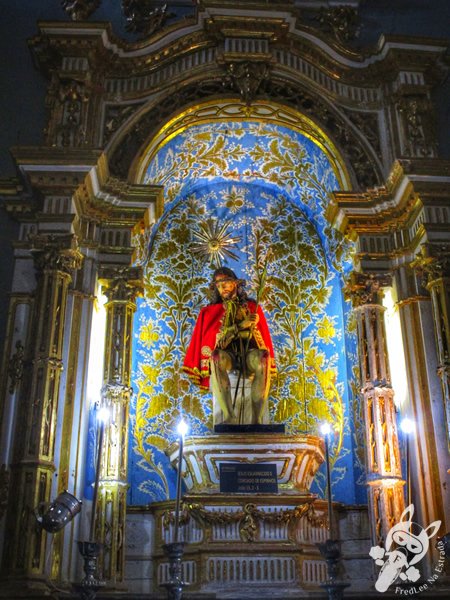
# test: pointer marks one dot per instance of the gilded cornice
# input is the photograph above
(118, 85)
(282, 29)
(374, 210)
(67, 166)
(57, 40)
(371, 69)
(83, 174)
(16, 199)
(215, 499)
(248, 25)
(411, 185)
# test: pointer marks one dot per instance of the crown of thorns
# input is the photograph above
(229, 273)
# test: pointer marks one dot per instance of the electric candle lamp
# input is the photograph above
(182, 431)
(408, 426)
(325, 429)
(103, 416)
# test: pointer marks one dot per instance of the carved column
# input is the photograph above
(121, 286)
(423, 403)
(385, 485)
(33, 466)
(434, 264)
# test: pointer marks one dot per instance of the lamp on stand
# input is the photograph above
(174, 550)
(90, 549)
(330, 549)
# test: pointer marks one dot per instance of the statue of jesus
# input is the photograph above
(231, 334)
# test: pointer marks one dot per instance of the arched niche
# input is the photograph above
(255, 184)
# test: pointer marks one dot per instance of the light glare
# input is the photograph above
(325, 429)
(182, 428)
(103, 414)
(396, 353)
(407, 426)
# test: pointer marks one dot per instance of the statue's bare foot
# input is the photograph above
(230, 419)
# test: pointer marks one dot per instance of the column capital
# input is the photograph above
(121, 283)
(432, 263)
(366, 288)
(115, 392)
(56, 252)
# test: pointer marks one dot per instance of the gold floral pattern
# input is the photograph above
(273, 187)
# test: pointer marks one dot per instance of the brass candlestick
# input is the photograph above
(174, 551)
(330, 549)
(90, 550)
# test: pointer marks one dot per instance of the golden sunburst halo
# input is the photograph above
(214, 240)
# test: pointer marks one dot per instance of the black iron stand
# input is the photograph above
(175, 585)
(87, 589)
(330, 550)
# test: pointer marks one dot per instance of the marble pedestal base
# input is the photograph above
(252, 540)
(297, 458)
(265, 543)
(254, 545)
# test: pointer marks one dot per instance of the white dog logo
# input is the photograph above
(406, 544)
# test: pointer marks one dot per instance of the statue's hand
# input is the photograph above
(250, 321)
(225, 337)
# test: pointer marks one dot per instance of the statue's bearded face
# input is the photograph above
(226, 286)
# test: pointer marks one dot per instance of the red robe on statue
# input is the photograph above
(203, 342)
